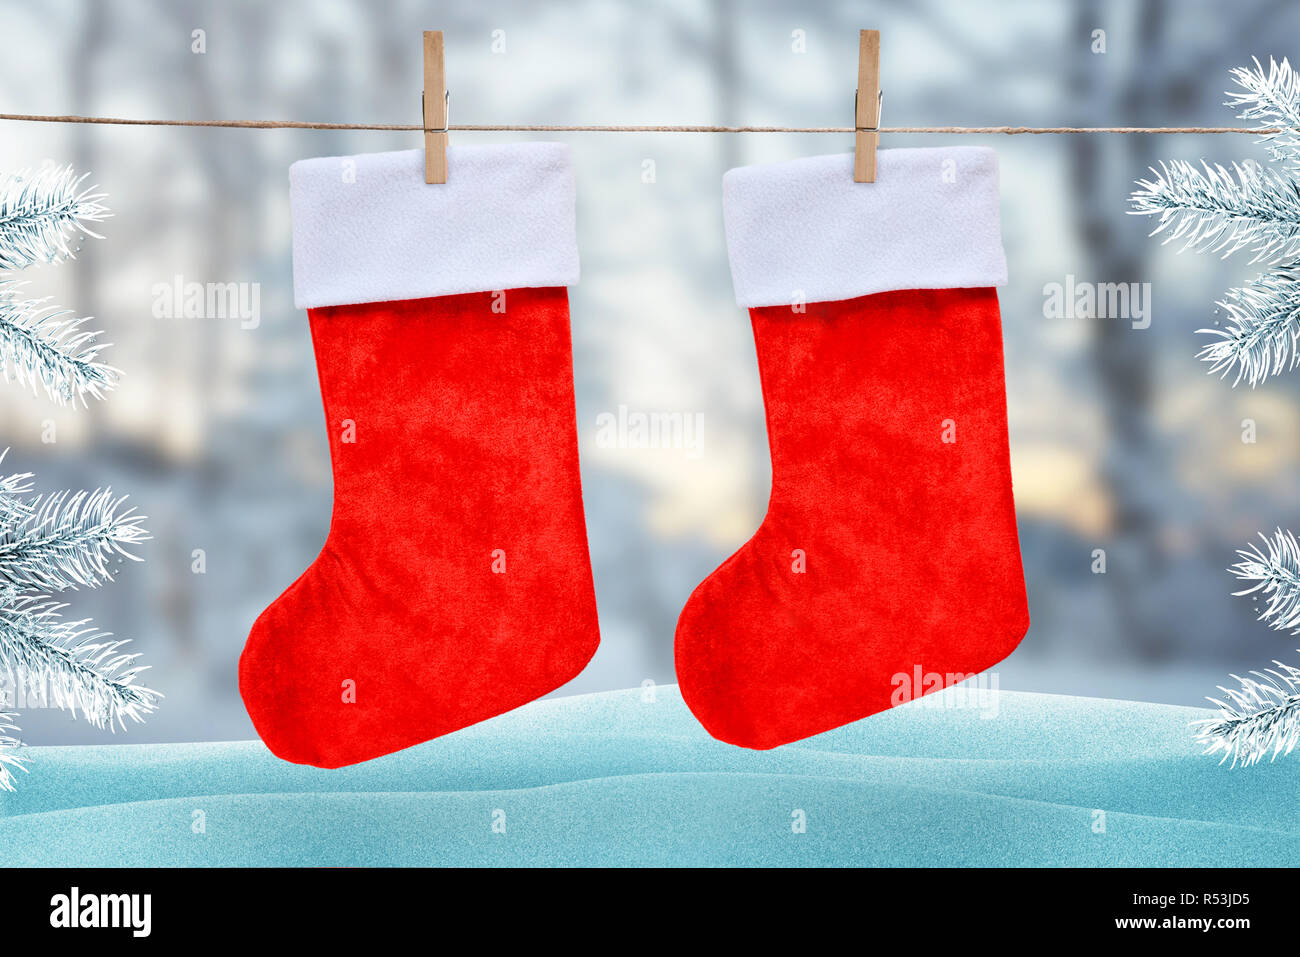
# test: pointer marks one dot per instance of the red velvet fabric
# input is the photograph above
(911, 557)
(455, 582)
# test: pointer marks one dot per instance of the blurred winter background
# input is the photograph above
(1119, 439)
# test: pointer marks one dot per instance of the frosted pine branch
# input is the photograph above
(1273, 98)
(79, 666)
(1275, 570)
(9, 747)
(1262, 334)
(68, 539)
(42, 213)
(1212, 209)
(52, 542)
(1260, 718)
(41, 346)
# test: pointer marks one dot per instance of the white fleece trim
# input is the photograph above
(368, 228)
(804, 231)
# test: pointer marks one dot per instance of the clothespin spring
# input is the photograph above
(880, 112)
(446, 113)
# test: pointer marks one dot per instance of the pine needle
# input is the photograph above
(1212, 209)
(68, 539)
(1275, 569)
(42, 213)
(43, 347)
(1273, 98)
(9, 759)
(1262, 334)
(14, 506)
(81, 667)
(1260, 718)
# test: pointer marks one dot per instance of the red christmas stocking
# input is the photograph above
(889, 548)
(455, 582)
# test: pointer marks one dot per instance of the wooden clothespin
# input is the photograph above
(435, 109)
(867, 121)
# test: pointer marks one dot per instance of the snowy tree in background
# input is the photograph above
(1257, 209)
(66, 540)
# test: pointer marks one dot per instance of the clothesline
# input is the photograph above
(604, 128)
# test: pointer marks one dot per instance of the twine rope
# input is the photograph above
(611, 128)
